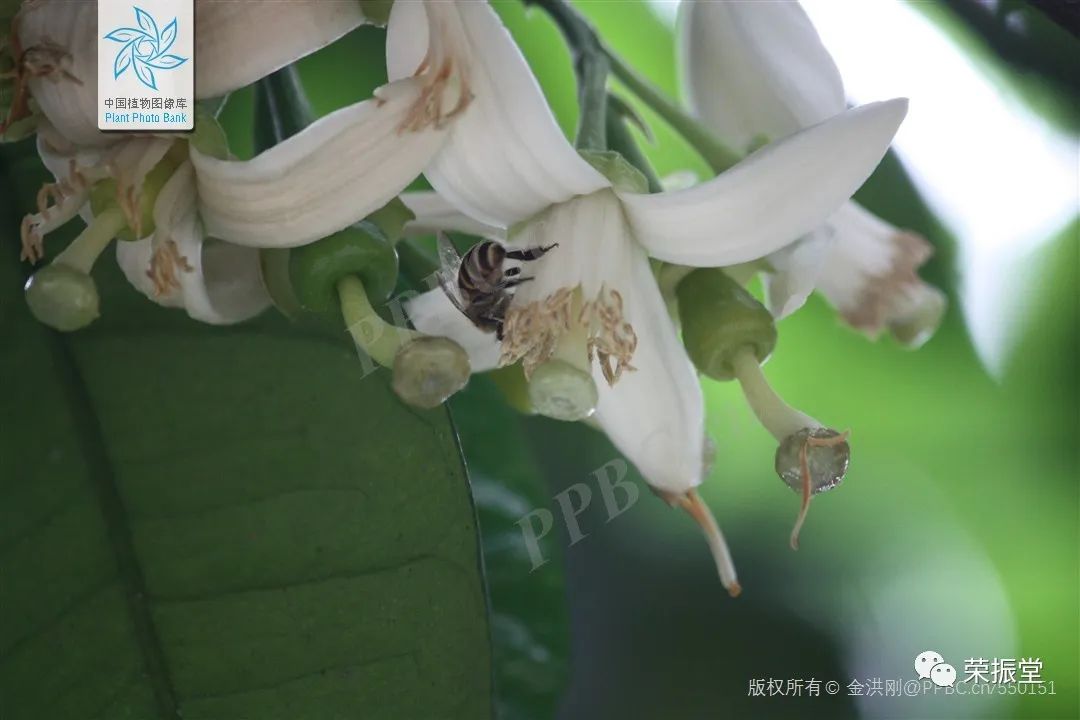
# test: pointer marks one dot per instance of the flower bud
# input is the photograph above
(428, 370)
(561, 391)
(719, 319)
(62, 297)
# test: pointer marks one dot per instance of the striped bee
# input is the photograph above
(477, 284)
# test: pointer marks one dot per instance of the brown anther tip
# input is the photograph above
(734, 590)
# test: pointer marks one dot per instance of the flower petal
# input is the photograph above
(870, 276)
(224, 284)
(756, 68)
(655, 415)
(216, 282)
(62, 35)
(771, 198)
(796, 269)
(434, 213)
(432, 313)
(333, 173)
(506, 158)
(236, 43)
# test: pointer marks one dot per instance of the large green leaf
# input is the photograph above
(224, 523)
(530, 636)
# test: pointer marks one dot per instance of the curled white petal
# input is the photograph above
(59, 155)
(238, 42)
(328, 176)
(134, 260)
(59, 40)
(756, 68)
(655, 415)
(869, 275)
(432, 313)
(795, 271)
(224, 284)
(132, 158)
(216, 282)
(434, 213)
(506, 158)
(771, 198)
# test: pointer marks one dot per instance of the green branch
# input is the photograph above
(592, 72)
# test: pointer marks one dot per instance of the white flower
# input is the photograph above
(176, 265)
(758, 70)
(236, 43)
(508, 165)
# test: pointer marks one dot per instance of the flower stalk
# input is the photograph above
(591, 66)
(775, 415)
(810, 458)
(376, 337)
(729, 334)
(85, 249)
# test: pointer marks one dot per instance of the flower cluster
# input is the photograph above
(611, 299)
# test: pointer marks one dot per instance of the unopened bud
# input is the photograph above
(62, 297)
(719, 320)
(561, 391)
(428, 370)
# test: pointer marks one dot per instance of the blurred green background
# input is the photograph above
(956, 530)
(957, 527)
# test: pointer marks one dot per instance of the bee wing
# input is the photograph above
(449, 266)
(449, 257)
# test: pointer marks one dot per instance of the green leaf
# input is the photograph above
(529, 622)
(224, 523)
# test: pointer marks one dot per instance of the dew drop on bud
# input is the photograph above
(428, 370)
(827, 456)
(62, 297)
